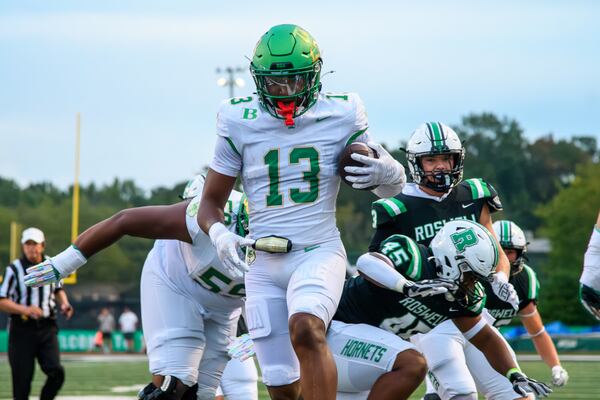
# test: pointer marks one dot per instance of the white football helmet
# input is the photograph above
(511, 236)
(193, 188)
(434, 138)
(465, 247)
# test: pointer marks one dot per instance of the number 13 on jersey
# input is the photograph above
(311, 175)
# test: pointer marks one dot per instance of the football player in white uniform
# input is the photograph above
(190, 301)
(589, 289)
(285, 143)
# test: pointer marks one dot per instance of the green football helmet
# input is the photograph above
(286, 67)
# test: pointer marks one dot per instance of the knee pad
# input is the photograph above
(279, 375)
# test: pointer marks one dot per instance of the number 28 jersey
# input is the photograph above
(289, 174)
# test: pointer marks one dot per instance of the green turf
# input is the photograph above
(87, 378)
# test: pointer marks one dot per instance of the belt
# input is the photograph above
(22, 320)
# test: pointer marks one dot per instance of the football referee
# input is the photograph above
(32, 326)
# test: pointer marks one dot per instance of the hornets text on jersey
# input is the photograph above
(421, 217)
(364, 302)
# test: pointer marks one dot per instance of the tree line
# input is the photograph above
(547, 186)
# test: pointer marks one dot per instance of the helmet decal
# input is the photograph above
(463, 239)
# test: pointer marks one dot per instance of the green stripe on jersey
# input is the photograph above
(414, 270)
(233, 146)
(534, 285)
(392, 205)
(355, 135)
(479, 188)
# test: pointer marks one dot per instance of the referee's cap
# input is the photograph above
(34, 234)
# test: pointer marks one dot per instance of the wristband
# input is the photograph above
(501, 276)
(512, 371)
(68, 261)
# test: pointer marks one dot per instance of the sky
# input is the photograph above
(143, 74)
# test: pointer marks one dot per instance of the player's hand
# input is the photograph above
(42, 274)
(504, 290)
(241, 348)
(384, 170)
(560, 376)
(67, 310)
(34, 312)
(227, 244)
(427, 287)
(524, 385)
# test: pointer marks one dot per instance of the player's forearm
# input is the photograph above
(61, 297)
(154, 222)
(545, 348)
(217, 188)
(496, 351)
(10, 307)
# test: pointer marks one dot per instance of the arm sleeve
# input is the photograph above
(359, 130)
(8, 283)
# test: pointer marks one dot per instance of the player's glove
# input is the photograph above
(559, 376)
(56, 268)
(504, 290)
(227, 244)
(524, 385)
(426, 287)
(384, 170)
(241, 348)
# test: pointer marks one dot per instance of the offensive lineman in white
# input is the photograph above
(190, 301)
(286, 144)
(589, 289)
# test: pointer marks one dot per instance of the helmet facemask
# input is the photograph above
(439, 181)
(288, 93)
(467, 292)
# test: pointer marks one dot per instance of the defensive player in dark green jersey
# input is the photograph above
(437, 195)
(464, 254)
(523, 278)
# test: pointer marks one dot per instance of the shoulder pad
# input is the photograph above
(480, 189)
(238, 110)
(385, 210)
(405, 254)
(533, 285)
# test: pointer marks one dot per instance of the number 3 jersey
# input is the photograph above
(364, 302)
(289, 174)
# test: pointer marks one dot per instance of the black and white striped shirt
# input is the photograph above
(13, 288)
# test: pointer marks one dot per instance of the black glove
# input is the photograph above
(427, 287)
(524, 385)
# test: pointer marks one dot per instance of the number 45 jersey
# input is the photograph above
(289, 174)
(364, 302)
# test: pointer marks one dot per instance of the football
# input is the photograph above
(347, 161)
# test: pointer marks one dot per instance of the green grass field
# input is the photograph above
(85, 378)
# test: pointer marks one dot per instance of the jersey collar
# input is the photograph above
(412, 189)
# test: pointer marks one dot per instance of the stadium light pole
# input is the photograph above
(229, 79)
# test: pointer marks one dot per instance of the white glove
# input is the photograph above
(559, 376)
(56, 268)
(524, 385)
(384, 170)
(241, 348)
(427, 287)
(227, 244)
(504, 290)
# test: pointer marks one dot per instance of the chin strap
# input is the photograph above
(286, 110)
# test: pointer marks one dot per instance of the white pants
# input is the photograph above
(239, 380)
(185, 326)
(362, 353)
(458, 367)
(281, 285)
